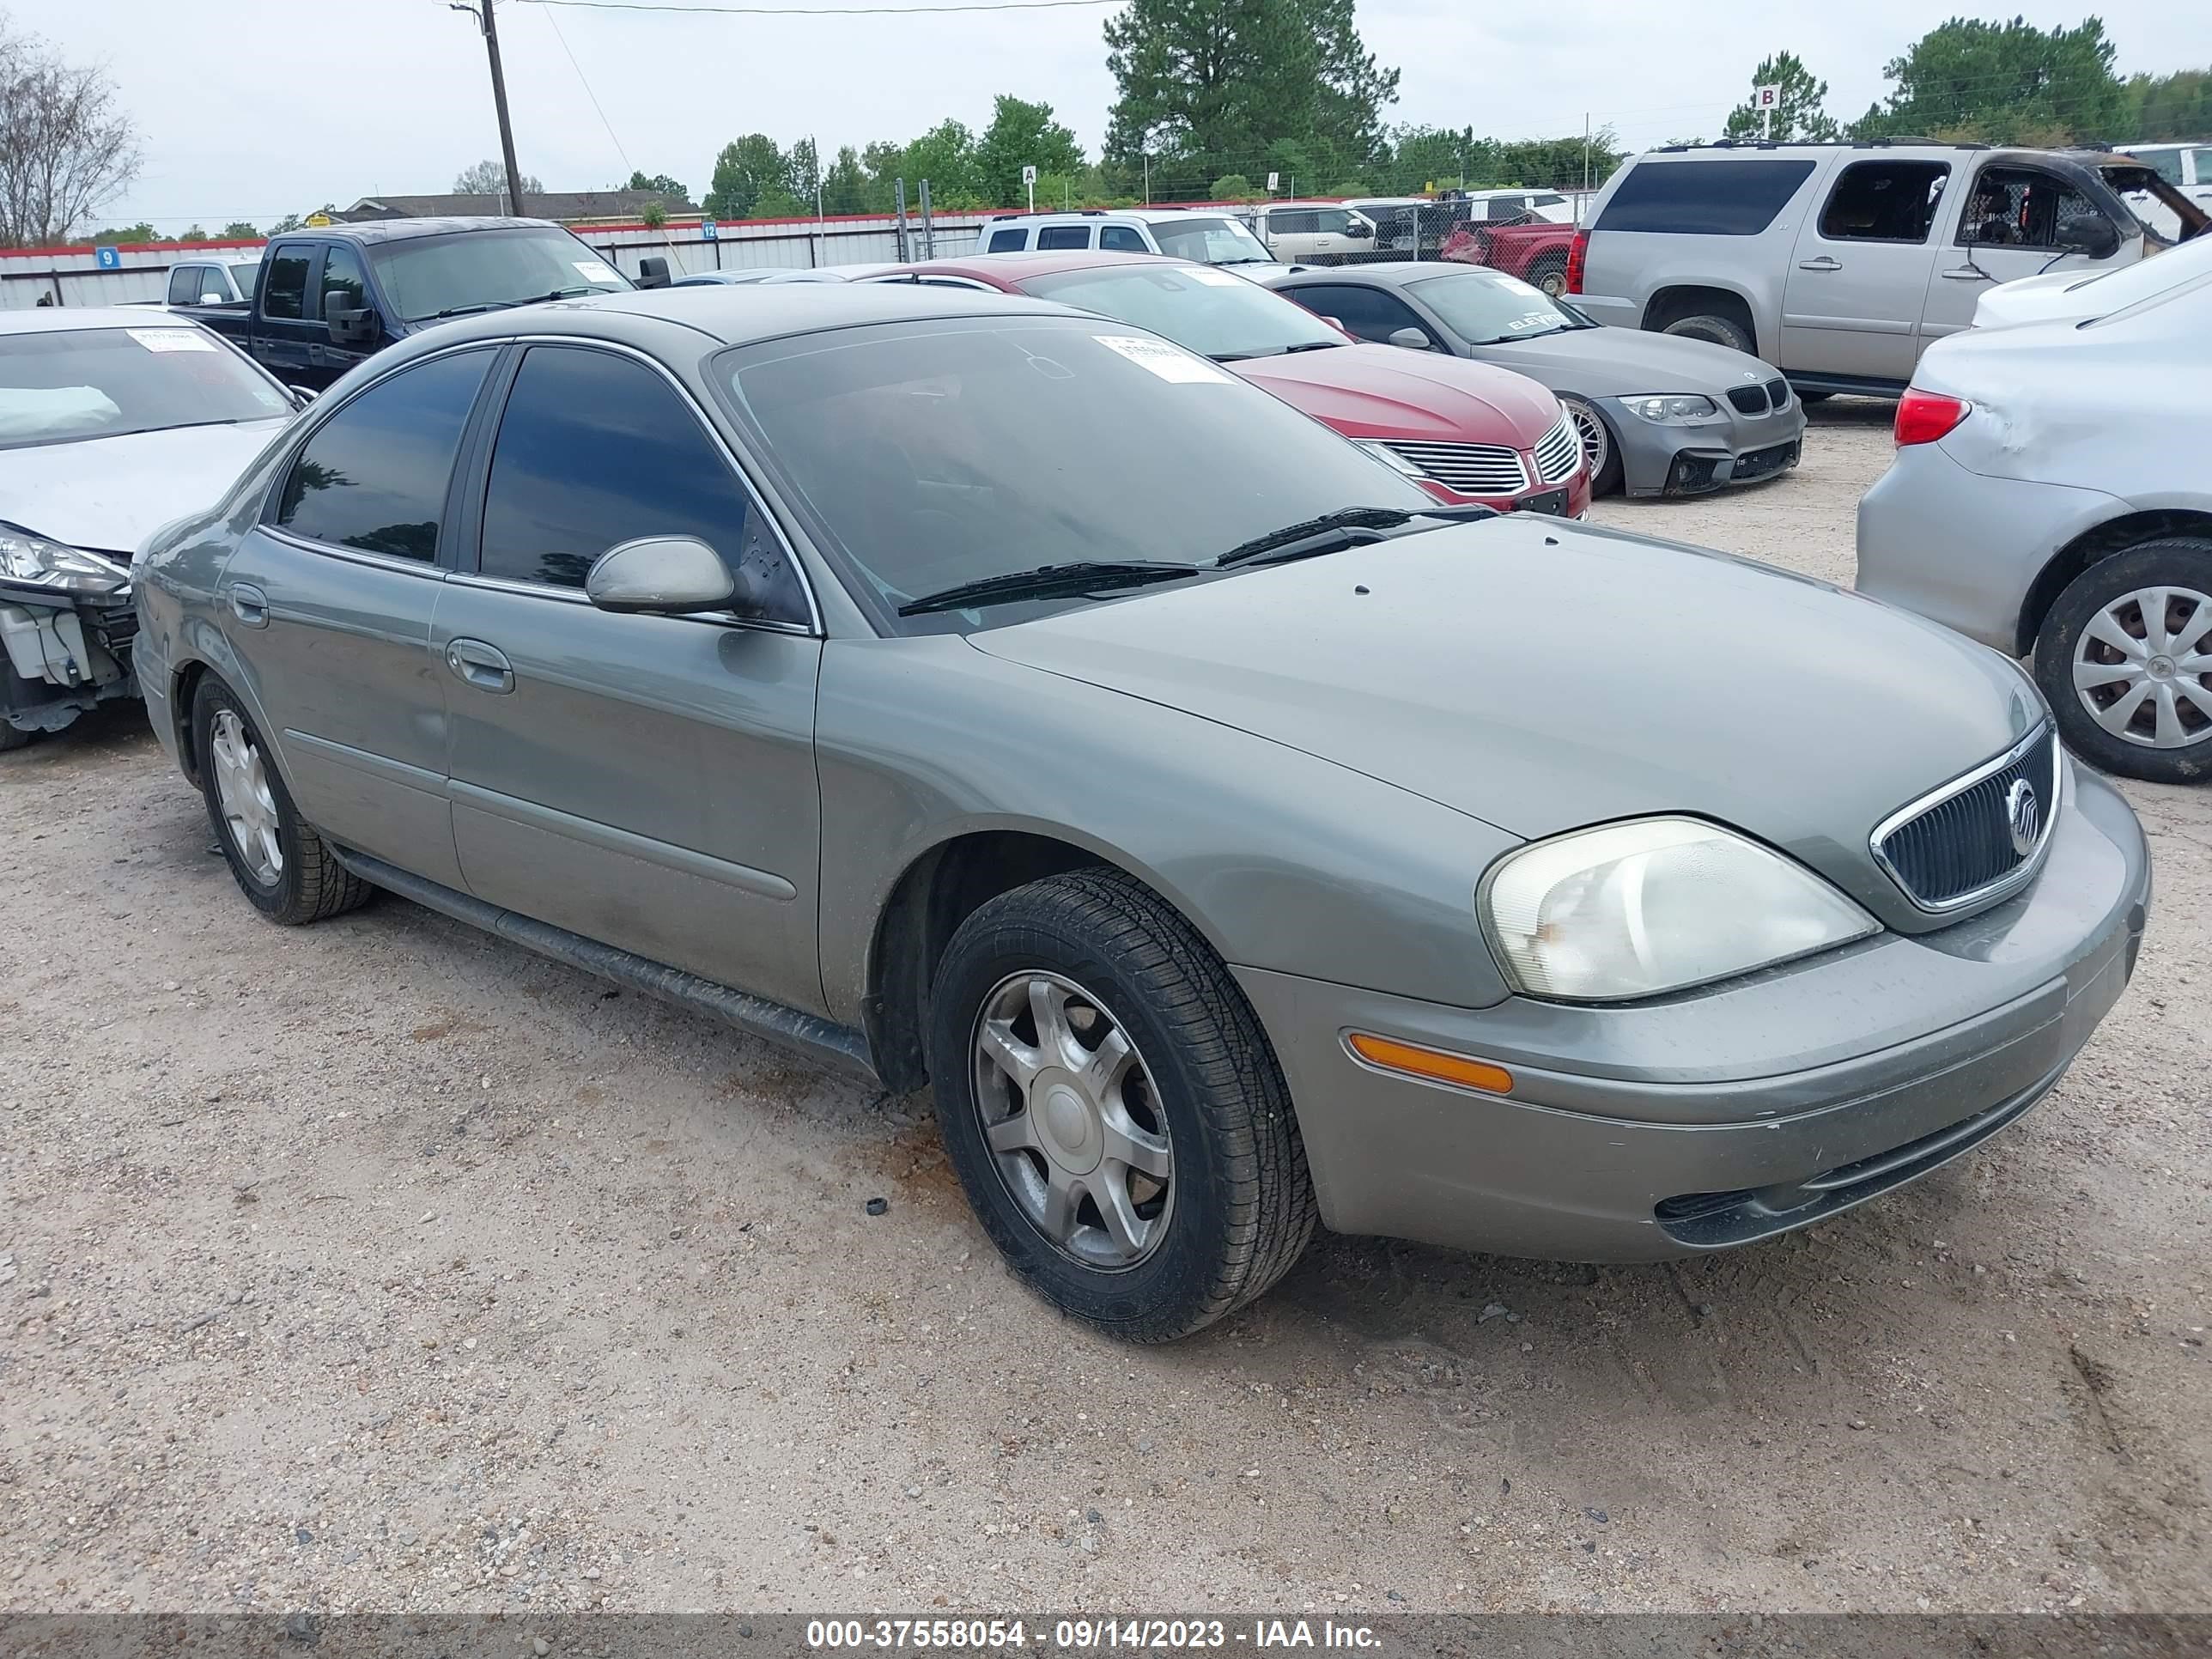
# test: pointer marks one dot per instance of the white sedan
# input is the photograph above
(2073, 296)
(113, 422)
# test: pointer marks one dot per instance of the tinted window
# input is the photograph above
(1123, 239)
(1008, 241)
(286, 294)
(1703, 198)
(373, 476)
(1504, 207)
(188, 282)
(1884, 202)
(1293, 224)
(432, 275)
(344, 284)
(101, 382)
(1368, 312)
(1063, 236)
(595, 450)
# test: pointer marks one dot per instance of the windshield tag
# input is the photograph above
(1214, 278)
(595, 271)
(1168, 363)
(171, 339)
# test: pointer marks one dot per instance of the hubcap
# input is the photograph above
(1596, 441)
(2142, 669)
(241, 787)
(1073, 1122)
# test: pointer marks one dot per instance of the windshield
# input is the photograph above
(1486, 306)
(477, 270)
(933, 454)
(1207, 310)
(103, 382)
(1211, 241)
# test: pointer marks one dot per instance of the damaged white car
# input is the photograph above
(111, 423)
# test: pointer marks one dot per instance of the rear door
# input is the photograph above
(1857, 276)
(647, 781)
(2006, 226)
(328, 603)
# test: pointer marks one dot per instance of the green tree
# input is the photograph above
(2002, 83)
(744, 173)
(1208, 87)
(1021, 134)
(196, 234)
(1801, 114)
(1231, 187)
(489, 178)
(2158, 107)
(659, 184)
(239, 231)
(141, 232)
(946, 156)
(802, 174)
(845, 186)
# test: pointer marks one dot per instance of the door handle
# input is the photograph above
(484, 666)
(1968, 273)
(1824, 263)
(249, 605)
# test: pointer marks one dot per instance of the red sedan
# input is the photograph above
(1470, 432)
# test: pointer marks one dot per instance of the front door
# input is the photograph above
(645, 781)
(328, 603)
(286, 329)
(1850, 303)
(342, 286)
(2008, 227)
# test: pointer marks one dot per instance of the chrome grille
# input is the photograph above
(1558, 452)
(1749, 399)
(1471, 469)
(1958, 845)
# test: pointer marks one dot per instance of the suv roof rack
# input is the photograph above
(1898, 139)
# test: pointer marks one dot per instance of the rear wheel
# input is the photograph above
(1716, 327)
(2126, 659)
(283, 866)
(1603, 454)
(1114, 1109)
(1550, 275)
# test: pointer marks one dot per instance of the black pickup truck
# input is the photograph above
(328, 297)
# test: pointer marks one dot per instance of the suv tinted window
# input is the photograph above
(1123, 239)
(1884, 202)
(1063, 236)
(373, 476)
(595, 450)
(286, 294)
(1008, 241)
(1703, 198)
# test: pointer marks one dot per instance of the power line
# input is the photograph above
(822, 11)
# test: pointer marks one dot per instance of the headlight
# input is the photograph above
(1659, 904)
(34, 559)
(1390, 457)
(1673, 408)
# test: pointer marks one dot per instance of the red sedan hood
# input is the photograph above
(1389, 392)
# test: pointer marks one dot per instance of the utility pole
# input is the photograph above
(482, 13)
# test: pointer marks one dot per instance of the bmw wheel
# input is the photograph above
(1598, 446)
(2126, 659)
(1114, 1109)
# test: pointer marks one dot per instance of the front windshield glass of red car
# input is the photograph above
(1488, 307)
(925, 455)
(1213, 312)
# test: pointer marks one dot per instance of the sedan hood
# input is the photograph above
(1542, 676)
(110, 494)
(1388, 391)
(1616, 362)
(2032, 300)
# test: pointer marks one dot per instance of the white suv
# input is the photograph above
(1210, 238)
(1318, 232)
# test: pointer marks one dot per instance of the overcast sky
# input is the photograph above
(250, 109)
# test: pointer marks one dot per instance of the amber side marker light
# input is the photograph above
(1432, 1064)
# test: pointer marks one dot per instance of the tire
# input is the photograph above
(1713, 326)
(1549, 275)
(2124, 657)
(12, 735)
(1228, 1205)
(280, 864)
(1598, 444)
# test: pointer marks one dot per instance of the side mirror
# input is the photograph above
(213, 299)
(2090, 234)
(1359, 229)
(1412, 339)
(302, 395)
(358, 326)
(653, 272)
(671, 573)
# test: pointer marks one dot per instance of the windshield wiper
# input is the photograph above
(1050, 581)
(1279, 351)
(1334, 527)
(509, 305)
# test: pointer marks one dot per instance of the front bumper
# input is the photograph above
(66, 652)
(1713, 1118)
(1693, 461)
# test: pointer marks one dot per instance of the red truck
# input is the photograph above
(1528, 248)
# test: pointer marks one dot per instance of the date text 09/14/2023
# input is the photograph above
(984, 1634)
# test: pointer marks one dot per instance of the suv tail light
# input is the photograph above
(1924, 417)
(1577, 250)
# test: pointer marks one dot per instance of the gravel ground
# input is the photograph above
(379, 1265)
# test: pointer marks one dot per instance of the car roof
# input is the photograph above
(369, 231)
(58, 319)
(1149, 215)
(1015, 267)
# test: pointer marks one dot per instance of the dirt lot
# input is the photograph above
(377, 1264)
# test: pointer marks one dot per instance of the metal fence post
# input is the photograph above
(929, 229)
(905, 256)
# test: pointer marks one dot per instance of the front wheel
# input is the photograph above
(283, 866)
(1598, 446)
(2126, 659)
(1550, 276)
(1114, 1109)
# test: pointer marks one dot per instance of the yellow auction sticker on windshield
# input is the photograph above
(171, 339)
(1168, 361)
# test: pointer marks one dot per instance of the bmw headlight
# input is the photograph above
(1673, 408)
(1656, 904)
(41, 563)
